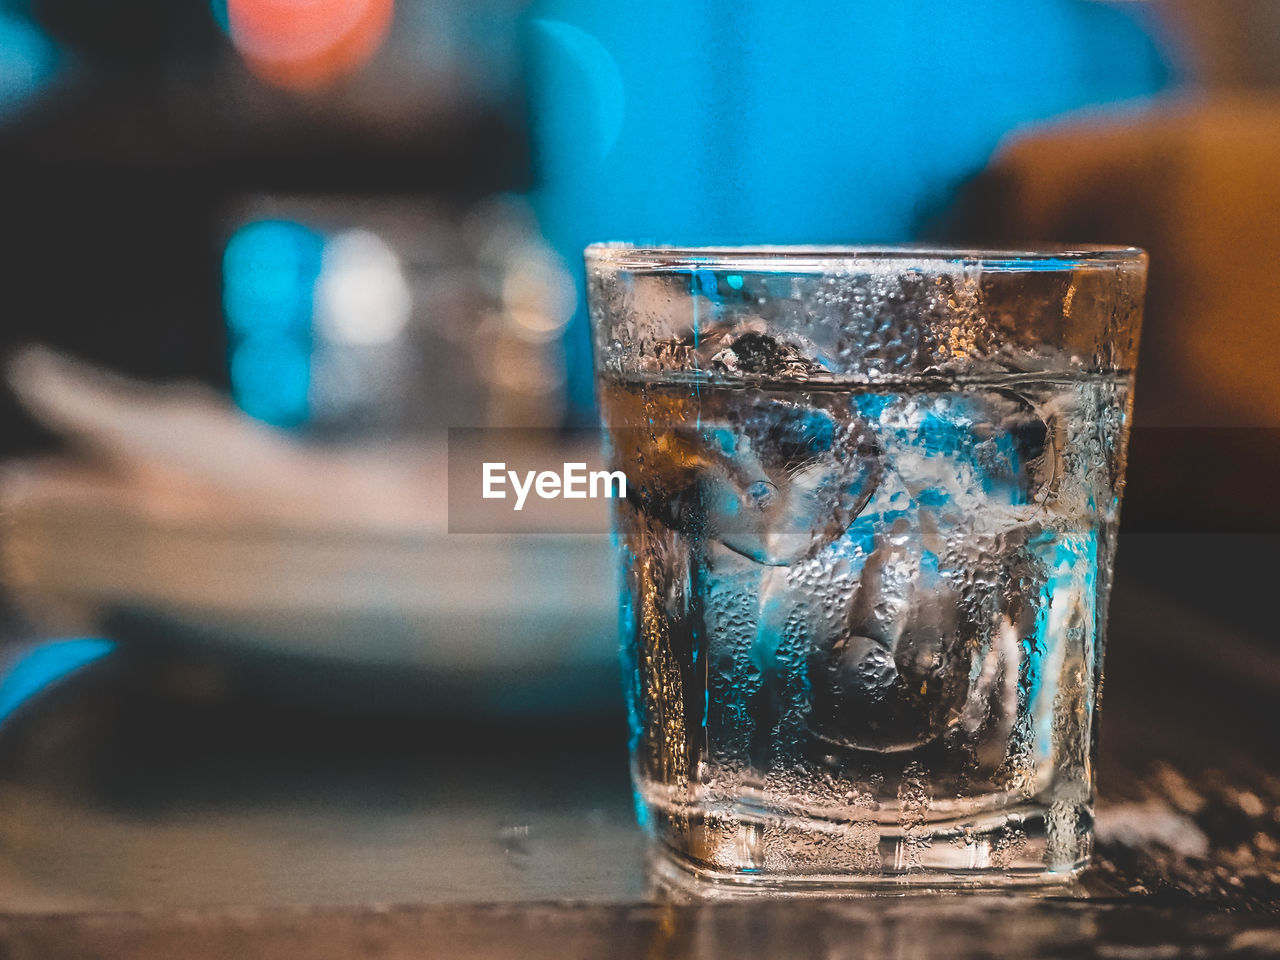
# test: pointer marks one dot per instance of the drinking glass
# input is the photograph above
(866, 551)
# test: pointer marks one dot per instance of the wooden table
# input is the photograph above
(164, 804)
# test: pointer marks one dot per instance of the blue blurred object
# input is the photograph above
(44, 666)
(269, 270)
(28, 62)
(220, 16)
(754, 122)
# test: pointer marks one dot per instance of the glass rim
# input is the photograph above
(836, 257)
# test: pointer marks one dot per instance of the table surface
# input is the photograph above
(160, 797)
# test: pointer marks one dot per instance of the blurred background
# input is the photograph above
(258, 255)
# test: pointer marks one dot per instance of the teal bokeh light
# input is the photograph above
(270, 381)
(28, 62)
(269, 271)
(220, 15)
(41, 668)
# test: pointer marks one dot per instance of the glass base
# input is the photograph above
(1025, 845)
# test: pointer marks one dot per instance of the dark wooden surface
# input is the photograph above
(165, 804)
(955, 927)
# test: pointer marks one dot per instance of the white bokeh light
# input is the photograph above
(361, 295)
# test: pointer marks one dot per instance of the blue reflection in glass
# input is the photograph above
(45, 666)
(269, 270)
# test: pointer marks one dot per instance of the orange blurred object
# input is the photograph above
(306, 44)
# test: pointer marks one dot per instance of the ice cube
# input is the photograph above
(898, 677)
(964, 453)
(751, 352)
(787, 478)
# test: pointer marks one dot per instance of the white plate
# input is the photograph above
(84, 552)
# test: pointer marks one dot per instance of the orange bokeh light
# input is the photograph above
(306, 44)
